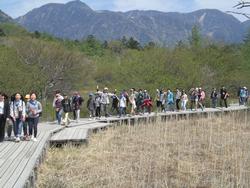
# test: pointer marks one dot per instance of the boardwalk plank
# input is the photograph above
(28, 162)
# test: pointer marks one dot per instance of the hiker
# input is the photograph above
(247, 95)
(4, 115)
(91, 106)
(139, 101)
(214, 97)
(184, 100)
(201, 98)
(115, 103)
(34, 109)
(148, 105)
(146, 100)
(132, 102)
(57, 104)
(26, 122)
(9, 120)
(18, 112)
(194, 98)
(178, 99)
(238, 95)
(105, 102)
(77, 101)
(170, 100)
(223, 96)
(66, 106)
(98, 105)
(162, 100)
(122, 104)
(243, 96)
(158, 101)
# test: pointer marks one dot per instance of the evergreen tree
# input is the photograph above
(133, 44)
(195, 38)
(2, 33)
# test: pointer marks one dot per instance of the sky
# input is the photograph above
(16, 8)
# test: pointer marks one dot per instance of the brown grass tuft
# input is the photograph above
(207, 152)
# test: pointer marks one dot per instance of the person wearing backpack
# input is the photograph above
(223, 95)
(66, 105)
(77, 101)
(4, 115)
(139, 101)
(18, 112)
(115, 103)
(57, 104)
(91, 106)
(214, 96)
(98, 105)
(34, 108)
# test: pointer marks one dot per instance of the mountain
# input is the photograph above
(76, 20)
(4, 17)
(246, 25)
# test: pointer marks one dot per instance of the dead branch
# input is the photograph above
(242, 4)
(240, 13)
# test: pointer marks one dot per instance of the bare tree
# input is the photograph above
(241, 4)
(59, 68)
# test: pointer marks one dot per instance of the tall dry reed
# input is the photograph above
(201, 152)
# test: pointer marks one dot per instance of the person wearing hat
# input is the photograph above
(91, 106)
(57, 104)
(105, 102)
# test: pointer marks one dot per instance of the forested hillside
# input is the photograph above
(37, 61)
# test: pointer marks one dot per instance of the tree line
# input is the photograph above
(38, 61)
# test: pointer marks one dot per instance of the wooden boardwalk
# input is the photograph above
(77, 134)
(19, 161)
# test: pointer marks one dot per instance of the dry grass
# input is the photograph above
(208, 152)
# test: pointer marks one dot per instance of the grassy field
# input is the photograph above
(205, 152)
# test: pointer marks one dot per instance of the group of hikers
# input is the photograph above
(134, 102)
(22, 114)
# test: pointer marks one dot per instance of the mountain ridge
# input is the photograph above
(76, 20)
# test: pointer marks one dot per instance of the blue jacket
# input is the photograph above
(170, 98)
